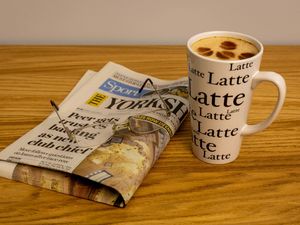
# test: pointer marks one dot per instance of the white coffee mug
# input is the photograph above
(220, 93)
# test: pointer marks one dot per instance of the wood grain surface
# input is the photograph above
(261, 187)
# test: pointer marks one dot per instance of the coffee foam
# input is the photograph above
(224, 48)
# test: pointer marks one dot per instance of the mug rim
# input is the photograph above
(233, 34)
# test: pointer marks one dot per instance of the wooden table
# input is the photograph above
(261, 187)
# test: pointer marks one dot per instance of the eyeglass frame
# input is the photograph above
(116, 127)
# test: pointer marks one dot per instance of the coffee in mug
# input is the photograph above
(223, 69)
(225, 48)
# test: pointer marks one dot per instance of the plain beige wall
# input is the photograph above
(144, 22)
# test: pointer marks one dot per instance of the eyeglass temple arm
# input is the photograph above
(56, 109)
(167, 108)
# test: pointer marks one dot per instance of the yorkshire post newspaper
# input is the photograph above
(103, 139)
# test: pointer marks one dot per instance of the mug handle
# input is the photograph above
(276, 79)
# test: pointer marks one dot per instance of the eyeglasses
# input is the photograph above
(91, 135)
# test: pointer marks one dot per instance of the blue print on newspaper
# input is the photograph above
(121, 89)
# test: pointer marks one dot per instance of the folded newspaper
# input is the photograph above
(119, 133)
